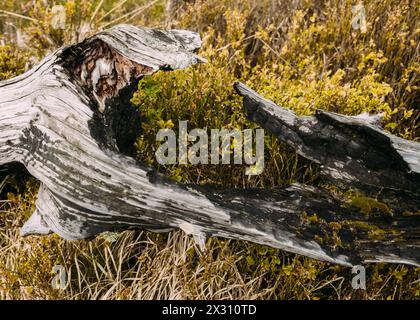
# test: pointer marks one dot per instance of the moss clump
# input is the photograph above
(328, 232)
(310, 218)
(411, 213)
(366, 205)
(373, 231)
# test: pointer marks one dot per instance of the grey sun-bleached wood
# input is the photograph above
(69, 123)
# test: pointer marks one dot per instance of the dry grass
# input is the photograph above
(301, 54)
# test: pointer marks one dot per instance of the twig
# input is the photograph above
(112, 10)
(132, 14)
(18, 15)
(230, 44)
(98, 7)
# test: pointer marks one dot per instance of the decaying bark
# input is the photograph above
(69, 122)
(351, 150)
(355, 152)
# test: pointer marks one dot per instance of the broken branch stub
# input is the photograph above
(69, 122)
(353, 150)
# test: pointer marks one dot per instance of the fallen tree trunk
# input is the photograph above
(69, 122)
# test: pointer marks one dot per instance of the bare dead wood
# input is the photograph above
(69, 122)
(353, 150)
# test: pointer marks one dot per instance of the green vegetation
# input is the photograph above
(303, 56)
(367, 204)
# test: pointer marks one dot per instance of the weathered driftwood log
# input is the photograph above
(354, 150)
(69, 122)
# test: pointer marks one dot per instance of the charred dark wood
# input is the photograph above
(68, 121)
(353, 150)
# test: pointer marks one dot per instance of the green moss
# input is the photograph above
(373, 231)
(411, 213)
(367, 204)
(318, 239)
(313, 218)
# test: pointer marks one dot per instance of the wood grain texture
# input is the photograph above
(69, 122)
(352, 150)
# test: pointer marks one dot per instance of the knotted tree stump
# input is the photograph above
(69, 123)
